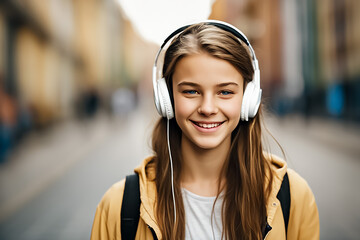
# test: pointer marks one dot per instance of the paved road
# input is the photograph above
(50, 188)
(83, 160)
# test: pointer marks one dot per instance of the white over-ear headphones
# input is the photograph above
(252, 94)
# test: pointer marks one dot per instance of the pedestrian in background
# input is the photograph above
(210, 177)
(7, 123)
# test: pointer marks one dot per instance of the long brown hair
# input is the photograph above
(246, 167)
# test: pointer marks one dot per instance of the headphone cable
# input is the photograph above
(172, 170)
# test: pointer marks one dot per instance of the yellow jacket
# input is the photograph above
(303, 221)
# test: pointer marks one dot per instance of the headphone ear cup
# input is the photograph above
(251, 101)
(165, 106)
(245, 101)
(254, 103)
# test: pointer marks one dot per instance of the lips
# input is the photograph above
(208, 125)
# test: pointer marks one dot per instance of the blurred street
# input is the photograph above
(51, 185)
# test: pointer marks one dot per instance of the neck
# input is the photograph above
(201, 168)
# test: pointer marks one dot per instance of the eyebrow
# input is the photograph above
(196, 85)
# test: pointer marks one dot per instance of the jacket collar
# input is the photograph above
(279, 168)
(146, 172)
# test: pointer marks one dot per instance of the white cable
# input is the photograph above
(172, 170)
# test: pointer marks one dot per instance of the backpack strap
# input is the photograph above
(130, 208)
(285, 200)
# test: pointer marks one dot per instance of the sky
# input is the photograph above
(154, 20)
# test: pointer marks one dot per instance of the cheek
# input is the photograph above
(233, 109)
(234, 115)
(183, 107)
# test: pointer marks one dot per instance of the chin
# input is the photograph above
(206, 144)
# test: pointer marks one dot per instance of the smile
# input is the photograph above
(207, 125)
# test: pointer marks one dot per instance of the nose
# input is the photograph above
(208, 106)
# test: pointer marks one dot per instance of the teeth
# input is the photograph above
(211, 125)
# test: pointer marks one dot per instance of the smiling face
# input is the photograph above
(207, 94)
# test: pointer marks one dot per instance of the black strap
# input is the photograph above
(285, 201)
(130, 208)
(153, 233)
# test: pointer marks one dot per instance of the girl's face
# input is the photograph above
(207, 94)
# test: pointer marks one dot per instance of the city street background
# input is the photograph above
(76, 107)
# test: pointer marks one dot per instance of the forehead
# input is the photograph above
(205, 69)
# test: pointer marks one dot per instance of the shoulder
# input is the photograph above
(106, 223)
(304, 216)
(113, 194)
(110, 203)
(112, 200)
(299, 187)
(302, 197)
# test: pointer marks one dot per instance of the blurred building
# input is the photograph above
(54, 49)
(309, 52)
(53, 54)
(260, 21)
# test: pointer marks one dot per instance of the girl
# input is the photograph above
(209, 177)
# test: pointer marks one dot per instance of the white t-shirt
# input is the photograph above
(198, 216)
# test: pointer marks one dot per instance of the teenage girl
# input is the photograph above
(210, 177)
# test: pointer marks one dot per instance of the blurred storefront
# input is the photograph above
(309, 53)
(61, 59)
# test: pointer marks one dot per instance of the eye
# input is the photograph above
(225, 92)
(190, 92)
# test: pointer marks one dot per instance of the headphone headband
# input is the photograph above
(222, 25)
(225, 26)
